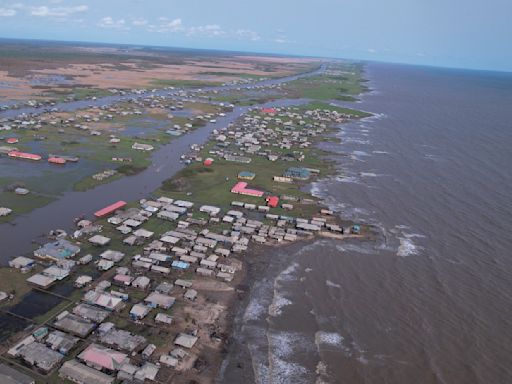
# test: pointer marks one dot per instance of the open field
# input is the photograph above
(30, 70)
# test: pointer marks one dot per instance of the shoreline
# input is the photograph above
(216, 329)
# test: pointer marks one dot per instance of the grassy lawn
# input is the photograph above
(212, 185)
(346, 111)
(13, 281)
(342, 81)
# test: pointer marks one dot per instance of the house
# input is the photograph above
(273, 201)
(40, 356)
(91, 312)
(105, 265)
(71, 323)
(148, 351)
(141, 282)
(5, 211)
(169, 361)
(61, 342)
(190, 294)
(77, 372)
(245, 175)
(82, 281)
(111, 255)
(143, 233)
(159, 300)
(210, 210)
(183, 283)
(185, 340)
(167, 215)
(139, 311)
(56, 272)
(160, 257)
(142, 147)
(41, 280)
(147, 372)
(178, 264)
(57, 250)
(85, 259)
(160, 269)
(104, 300)
(25, 264)
(297, 173)
(99, 240)
(163, 318)
(241, 188)
(103, 358)
(123, 279)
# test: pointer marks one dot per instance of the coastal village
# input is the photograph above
(153, 281)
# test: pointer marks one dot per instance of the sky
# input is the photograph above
(453, 33)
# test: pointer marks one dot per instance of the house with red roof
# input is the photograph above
(273, 201)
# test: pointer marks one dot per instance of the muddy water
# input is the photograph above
(430, 301)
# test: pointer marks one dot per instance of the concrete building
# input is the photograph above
(61, 342)
(79, 373)
(123, 340)
(91, 312)
(40, 356)
(74, 324)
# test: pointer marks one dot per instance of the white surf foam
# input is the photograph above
(329, 283)
(332, 339)
(282, 348)
(278, 303)
(407, 247)
(368, 174)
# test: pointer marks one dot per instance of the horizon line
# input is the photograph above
(260, 53)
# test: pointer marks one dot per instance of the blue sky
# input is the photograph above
(454, 33)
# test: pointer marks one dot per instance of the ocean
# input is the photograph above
(430, 299)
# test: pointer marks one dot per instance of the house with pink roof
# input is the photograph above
(101, 358)
(241, 189)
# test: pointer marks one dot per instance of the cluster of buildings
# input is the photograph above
(142, 287)
(126, 327)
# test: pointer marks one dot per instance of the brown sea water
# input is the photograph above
(430, 301)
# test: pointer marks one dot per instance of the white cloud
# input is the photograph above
(139, 22)
(209, 30)
(6, 12)
(247, 34)
(109, 22)
(165, 25)
(372, 50)
(44, 11)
